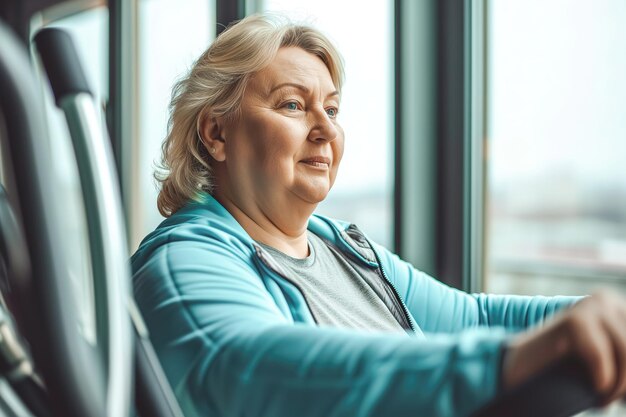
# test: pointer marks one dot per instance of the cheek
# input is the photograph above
(252, 139)
(246, 155)
(338, 147)
(269, 147)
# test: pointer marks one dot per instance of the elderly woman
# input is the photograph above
(258, 307)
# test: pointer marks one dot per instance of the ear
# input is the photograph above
(211, 135)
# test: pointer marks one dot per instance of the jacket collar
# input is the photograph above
(343, 234)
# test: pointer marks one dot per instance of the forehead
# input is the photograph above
(293, 65)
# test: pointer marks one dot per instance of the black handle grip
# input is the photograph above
(562, 390)
(60, 59)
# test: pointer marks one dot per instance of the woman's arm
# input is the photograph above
(438, 308)
(593, 330)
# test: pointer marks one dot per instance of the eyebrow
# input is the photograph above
(299, 87)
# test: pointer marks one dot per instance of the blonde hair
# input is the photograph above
(215, 86)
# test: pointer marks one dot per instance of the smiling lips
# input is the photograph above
(321, 162)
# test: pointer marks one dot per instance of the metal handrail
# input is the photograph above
(100, 187)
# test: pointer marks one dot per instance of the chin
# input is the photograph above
(313, 196)
(317, 198)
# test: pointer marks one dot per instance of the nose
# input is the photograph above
(323, 127)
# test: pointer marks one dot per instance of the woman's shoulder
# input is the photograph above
(199, 225)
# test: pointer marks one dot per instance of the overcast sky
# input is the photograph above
(558, 90)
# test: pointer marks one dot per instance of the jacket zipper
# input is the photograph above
(395, 290)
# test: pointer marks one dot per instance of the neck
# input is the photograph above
(286, 233)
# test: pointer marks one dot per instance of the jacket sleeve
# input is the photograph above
(438, 308)
(229, 351)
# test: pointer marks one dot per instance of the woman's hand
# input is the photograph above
(594, 330)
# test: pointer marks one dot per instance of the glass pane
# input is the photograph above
(363, 33)
(89, 31)
(557, 189)
(172, 35)
(556, 205)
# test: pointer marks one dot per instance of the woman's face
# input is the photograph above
(286, 146)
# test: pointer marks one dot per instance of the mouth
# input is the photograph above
(320, 162)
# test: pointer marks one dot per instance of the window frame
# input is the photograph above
(440, 204)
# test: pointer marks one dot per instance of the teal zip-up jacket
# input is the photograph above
(236, 338)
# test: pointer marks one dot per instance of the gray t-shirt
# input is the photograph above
(334, 291)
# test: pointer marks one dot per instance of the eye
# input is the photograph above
(291, 105)
(332, 112)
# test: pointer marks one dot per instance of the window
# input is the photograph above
(363, 192)
(172, 35)
(556, 189)
(556, 205)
